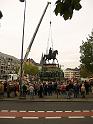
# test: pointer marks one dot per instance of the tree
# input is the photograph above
(1, 15)
(21, 0)
(66, 7)
(30, 69)
(84, 72)
(86, 58)
(17, 69)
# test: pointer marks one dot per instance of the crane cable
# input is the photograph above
(50, 40)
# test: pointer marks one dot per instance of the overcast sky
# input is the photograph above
(67, 36)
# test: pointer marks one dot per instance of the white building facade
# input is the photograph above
(72, 73)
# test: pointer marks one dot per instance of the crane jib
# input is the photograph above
(32, 40)
(34, 35)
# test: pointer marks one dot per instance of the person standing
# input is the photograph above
(41, 90)
(83, 91)
(31, 91)
(8, 90)
(24, 88)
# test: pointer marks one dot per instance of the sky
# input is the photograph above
(67, 36)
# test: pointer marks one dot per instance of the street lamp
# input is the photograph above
(21, 63)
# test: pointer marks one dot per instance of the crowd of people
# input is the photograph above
(66, 89)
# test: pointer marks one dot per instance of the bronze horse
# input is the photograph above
(51, 56)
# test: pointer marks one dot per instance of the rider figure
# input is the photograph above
(50, 51)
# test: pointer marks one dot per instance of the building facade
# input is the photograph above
(72, 73)
(8, 65)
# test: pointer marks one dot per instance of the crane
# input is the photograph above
(32, 40)
(34, 35)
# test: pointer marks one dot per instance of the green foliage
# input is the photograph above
(30, 69)
(17, 69)
(51, 73)
(86, 58)
(1, 15)
(84, 72)
(21, 0)
(66, 7)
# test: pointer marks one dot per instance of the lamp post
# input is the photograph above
(21, 63)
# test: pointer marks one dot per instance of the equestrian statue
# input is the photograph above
(51, 55)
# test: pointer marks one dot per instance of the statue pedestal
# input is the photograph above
(50, 72)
